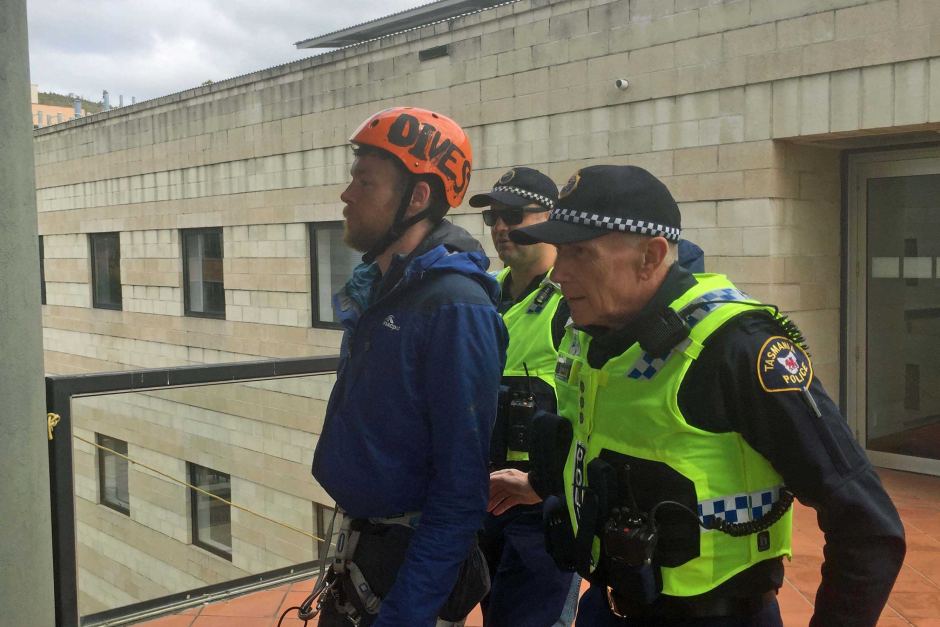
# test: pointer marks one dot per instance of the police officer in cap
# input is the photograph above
(527, 588)
(691, 418)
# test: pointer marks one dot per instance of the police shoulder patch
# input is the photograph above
(783, 366)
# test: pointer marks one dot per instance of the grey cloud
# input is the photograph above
(149, 49)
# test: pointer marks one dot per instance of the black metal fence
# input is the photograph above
(60, 390)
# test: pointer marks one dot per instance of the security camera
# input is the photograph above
(622, 83)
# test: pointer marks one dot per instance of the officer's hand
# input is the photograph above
(508, 488)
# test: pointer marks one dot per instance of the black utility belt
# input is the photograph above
(693, 607)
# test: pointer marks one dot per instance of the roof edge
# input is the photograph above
(403, 21)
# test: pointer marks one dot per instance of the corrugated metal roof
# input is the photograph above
(399, 22)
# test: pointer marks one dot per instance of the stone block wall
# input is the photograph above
(68, 270)
(267, 274)
(151, 268)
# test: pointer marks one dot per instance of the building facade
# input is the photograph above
(203, 227)
(45, 114)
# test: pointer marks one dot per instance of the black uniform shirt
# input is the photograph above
(817, 456)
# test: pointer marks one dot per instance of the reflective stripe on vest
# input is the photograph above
(530, 338)
(727, 473)
(739, 508)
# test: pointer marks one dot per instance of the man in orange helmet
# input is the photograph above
(405, 442)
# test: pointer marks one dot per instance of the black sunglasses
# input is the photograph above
(510, 217)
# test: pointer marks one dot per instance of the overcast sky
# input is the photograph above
(151, 48)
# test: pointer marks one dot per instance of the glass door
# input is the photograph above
(894, 297)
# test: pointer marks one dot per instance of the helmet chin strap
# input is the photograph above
(399, 225)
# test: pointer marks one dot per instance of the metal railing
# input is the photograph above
(60, 392)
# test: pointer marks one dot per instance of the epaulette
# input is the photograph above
(789, 328)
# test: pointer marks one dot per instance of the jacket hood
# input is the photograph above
(450, 248)
(453, 237)
(447, 248)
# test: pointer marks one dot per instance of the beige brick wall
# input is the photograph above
(267, 274)
(730, 103)
(67, 270)
(151, 270)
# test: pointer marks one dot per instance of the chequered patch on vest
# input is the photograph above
(646, 366)
(738, 508)
(710, 301)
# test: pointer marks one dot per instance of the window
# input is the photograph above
(212, 519)
(112, 474)
(332, 263)
(323, 515)
(42, 272)
(433, 53)
(204, 288)
(105, 270)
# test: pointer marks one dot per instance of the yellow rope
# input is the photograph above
(51, 421)
(198, 489)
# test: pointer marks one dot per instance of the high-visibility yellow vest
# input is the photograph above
(630, 406)
(531, 347)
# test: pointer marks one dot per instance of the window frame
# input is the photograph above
(192, 469)
(187, 311)
(116, 505)
(322, 514)
(312, 228)
(92, 238)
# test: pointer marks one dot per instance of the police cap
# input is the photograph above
(602, 199)
(519, 187)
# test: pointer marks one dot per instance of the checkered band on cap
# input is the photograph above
(739, 508)
(642, 227)
(545, 201)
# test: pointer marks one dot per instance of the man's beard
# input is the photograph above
(359, 239)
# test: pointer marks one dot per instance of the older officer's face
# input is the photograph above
(602, 279)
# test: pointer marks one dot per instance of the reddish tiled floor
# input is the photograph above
(915, 599)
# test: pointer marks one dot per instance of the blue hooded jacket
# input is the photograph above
(408, 423)
(691, 256)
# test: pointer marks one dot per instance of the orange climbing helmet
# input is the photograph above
(425, 142)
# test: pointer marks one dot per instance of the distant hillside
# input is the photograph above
(58, 100)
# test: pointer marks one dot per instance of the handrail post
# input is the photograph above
(62, 494)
